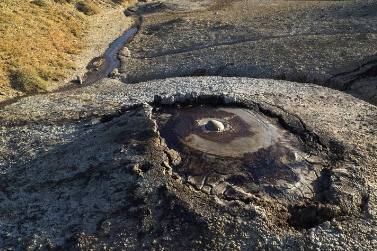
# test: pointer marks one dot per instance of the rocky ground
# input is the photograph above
(88, 169)
(330, 43)
(117, 166)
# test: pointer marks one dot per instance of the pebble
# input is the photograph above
(79, 80)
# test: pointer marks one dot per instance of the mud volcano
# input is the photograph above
(251, 154)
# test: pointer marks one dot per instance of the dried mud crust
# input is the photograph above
(288, 171)
(145, 202)
(323, 42)
(93, 171)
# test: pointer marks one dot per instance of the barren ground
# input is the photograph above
(127, 166)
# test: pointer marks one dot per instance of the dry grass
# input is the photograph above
(26, 79)
(40, 3)
(43, 38)
(88, 8)
(41, 35)
(123, 2)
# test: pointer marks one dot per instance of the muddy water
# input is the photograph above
(244, 132)
(102, 67)
(252, 154)
(250, 146)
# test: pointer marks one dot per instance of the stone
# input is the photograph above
(79, 80)
(125, 52)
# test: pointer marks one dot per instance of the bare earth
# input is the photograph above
(330, 43)
(128, 166)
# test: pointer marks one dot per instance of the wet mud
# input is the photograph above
(101, 67)
(253, 152)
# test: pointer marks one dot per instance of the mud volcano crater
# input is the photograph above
(252, 154)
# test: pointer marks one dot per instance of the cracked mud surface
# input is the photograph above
(115, 166)
(251, 156)
(90, 169)
(304, 41)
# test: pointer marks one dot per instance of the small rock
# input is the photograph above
(126, 52)
(114, 73)
(206, 189)
(197, 181)
(79, 80)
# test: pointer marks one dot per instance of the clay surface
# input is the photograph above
(120, 166)
(90, 169)
(330, 43)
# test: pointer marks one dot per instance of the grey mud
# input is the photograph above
(252, 154)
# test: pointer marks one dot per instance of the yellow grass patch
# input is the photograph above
(88, 8)
(42, 37)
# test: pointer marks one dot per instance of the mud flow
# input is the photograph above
(252, 153)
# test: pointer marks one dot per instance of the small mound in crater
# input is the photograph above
(250, 153)
(214, 126)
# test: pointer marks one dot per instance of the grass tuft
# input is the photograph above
(46, 39)
(40, 3)
(88, 8)
(124, 2)
(27, 80)
(63, 1)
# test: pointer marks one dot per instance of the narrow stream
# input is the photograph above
(114, 47)
(109, 61)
